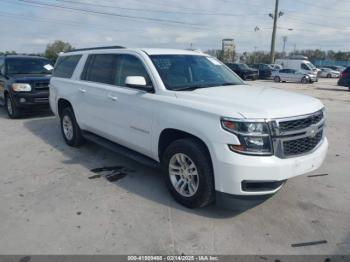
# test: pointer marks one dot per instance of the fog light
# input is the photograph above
(22, 100)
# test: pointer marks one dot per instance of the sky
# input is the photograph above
(29, 25)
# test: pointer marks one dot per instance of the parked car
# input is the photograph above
(24, 83)
(305, 66)
(292, 75)
(214, 136)
(336, 68)
(344, 79)
(244, 71)
(328, 73)
(265, 70)
(276, 66)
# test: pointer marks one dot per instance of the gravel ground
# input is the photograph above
(52, 203)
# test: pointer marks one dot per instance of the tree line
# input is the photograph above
(51, 52)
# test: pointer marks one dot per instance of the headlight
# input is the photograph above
(21, 87)
(254, 137)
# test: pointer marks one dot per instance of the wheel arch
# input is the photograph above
(63, 103)
(169, 135)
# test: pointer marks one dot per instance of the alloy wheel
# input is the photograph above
(183, 175)
(67, 127)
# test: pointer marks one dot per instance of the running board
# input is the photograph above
(121, 150)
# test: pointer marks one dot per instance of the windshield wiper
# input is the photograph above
(190, 88)
(228, 84)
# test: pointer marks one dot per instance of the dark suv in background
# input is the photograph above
(24, 83)
(265, 70)
(244, 71)
(344, 79)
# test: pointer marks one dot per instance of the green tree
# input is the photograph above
(52, 50)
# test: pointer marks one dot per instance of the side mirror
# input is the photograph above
(137, 82)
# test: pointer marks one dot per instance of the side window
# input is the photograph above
(131, 66)
(101, 68)
(304, 67)
(65, 66)
(284, 71)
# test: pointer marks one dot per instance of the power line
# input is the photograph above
(59, 21)
(107, 13)
(160, 11)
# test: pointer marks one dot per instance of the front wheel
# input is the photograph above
(277, 79)
(11, 108)
(70, 129)
(304, 80)
(188, 173)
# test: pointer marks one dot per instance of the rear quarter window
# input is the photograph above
(66, 65)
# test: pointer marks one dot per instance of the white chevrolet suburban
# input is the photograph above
(211, 133)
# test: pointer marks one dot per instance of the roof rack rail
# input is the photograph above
(95, 48)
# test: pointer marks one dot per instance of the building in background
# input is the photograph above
(228, 50)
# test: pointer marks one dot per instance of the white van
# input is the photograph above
(302, 65)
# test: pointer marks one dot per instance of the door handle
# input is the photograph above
(82, 90)
(114, 98)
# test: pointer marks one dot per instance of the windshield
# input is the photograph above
(310, 65)
(181, 72)
(243, 66)
(28, 66)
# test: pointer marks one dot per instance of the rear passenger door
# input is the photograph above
(96, 85)
(283, 74)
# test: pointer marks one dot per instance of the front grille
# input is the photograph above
(299, 135)
(41, 85)
(301, 145)
(301, 123)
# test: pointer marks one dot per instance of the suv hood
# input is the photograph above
(24, 78)
(252, 102)
(250, 70)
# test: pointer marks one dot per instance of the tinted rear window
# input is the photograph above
(101, 68)
(66, 65)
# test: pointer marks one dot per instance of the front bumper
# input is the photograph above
(232, 170)
(252, 76)
(29, 99)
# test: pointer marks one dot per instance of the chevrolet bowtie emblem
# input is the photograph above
(313, 131)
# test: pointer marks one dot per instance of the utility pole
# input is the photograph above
(275, 17)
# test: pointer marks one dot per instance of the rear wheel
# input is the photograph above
(277, 79)
(188, 173)
(11, 108)
(329, 76)
(304, 80)
(70, 129)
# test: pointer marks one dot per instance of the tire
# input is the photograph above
(12, 110)
(189, 153)
(277, 79)
(329, 76)
(70, 130)
(304, 80)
